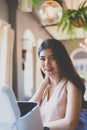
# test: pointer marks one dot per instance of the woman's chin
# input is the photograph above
(49, 74)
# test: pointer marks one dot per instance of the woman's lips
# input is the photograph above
(50, 69)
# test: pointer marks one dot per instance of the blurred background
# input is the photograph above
(24, 24)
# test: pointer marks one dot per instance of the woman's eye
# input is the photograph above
(52, 57)
(42, 59)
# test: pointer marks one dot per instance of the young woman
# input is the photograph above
(61, 93)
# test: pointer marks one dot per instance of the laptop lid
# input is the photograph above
(30, 116)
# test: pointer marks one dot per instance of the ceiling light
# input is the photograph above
(50, 11)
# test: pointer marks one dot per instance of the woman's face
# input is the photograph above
(48, 63)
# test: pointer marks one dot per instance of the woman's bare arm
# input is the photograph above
(38, 94)
(70, 121)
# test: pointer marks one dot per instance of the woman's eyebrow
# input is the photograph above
(49, 55)
(52, 55)
(41, 56)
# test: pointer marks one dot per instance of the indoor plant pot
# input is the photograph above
(72, 18)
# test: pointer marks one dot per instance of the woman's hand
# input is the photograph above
(39, 93)
(45, 82)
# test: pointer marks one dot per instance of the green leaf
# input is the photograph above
(34, 2)
(82, 4)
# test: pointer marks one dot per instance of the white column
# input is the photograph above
(6, 53)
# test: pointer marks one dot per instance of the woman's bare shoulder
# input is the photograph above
(72, 88)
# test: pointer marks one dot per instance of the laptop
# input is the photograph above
(18, 115)
(30, 118)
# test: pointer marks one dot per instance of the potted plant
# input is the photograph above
(72, 18)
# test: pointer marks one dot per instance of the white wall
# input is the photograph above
(3, 10)
(26, 21)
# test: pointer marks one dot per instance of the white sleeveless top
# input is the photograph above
(55, 107)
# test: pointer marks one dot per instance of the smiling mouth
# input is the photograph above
(49, 70)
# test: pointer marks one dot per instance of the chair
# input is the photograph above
(83, 120)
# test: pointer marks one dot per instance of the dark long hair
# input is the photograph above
(64, 62)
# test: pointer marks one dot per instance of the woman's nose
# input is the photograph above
(47, 62)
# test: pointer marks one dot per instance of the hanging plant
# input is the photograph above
(72, 18)
(34, 2)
